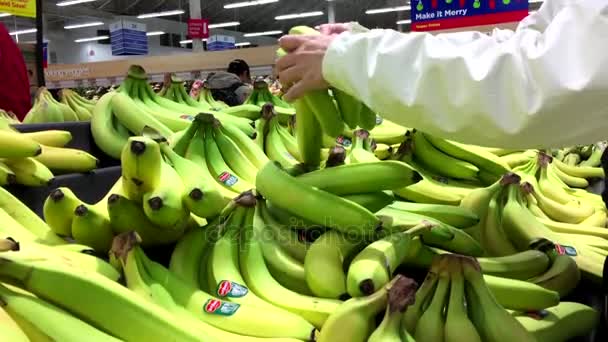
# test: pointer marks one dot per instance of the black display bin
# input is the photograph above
(81, 138)
(90, 187)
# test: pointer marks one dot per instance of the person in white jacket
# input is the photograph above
(543, 85)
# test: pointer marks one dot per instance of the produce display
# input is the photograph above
(317, 222)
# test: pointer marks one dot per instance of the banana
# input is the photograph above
(559, 323)
(430, 326)
(313, 204)
(360, 178)
(598, 219)
(139, 281)
(373, 201)
(30, 172)
(92, 227)
(223, 265)
(241, 319)
(595, 158)
(353, 321)
(54, 138)
(59, 209)
(260, 281)
(286, 238)
(109, 139)
(563, 276)
(367, 118)
(201, 193)
(7, 176)
(197, 154)
(520, 295)
(389, 329)
(373, 267)
(54, 322)
(10, 329)
(27, 218)
(443, 236)
(458, 327)
(253, 152)
(569, 228)
(284, 267)
(290, 142)
(493, 236)
(67, 160)
(475, 155)
(522, 265)
(276, 148)
(492, 321)
(516, 159)
(134, 118)
(458, 217)
(349, 107)
(423, 297)
(358, 152)
(180, 141)
(308, 134)
(102, 302)
(440, 162)
(248, 111)
(324, 264)
(222, 173)
(558, 211)
(573, 181)
(336, 157)
(13, 230)
(163, 205)
(126, 215)
(383, 151)
(235, 157)
(580, 171)
(141, 162)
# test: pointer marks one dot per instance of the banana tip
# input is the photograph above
(81, 210)
(57, 195)
(367, 287)
(196, 194)
(155, 203)
(138, 147)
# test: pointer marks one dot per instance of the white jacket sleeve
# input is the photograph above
(544, 85)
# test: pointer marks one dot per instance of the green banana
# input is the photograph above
(349, 107)
(324, 264)
(430, 326)
(313, 204)
(458, 327)
(360, 178)
(141, 162)
(373, 201)
(458, 217)
(92, 227)
(522, 265)
(235, 157)
(440, 162)
(59, 209)
(308, 134)
(354, 320)
(260, 281)
(163, 205)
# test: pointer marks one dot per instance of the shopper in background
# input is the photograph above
(228, 87)
(15, 87)
(544, 85)
(240, 68)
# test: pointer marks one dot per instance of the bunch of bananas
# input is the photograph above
(125, 112)
(261, 96)
(81, 106)
(8, 117)
(32, 159)
(585, 155)
(47, 109)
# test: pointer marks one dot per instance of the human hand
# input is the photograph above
(333, 29)
(302, 68)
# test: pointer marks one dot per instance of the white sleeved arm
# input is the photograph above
(544, 85)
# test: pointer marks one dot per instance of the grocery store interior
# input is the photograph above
(319, 170)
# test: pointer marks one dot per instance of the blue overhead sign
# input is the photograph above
(128, 38)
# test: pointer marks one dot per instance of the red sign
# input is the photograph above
(198, 28)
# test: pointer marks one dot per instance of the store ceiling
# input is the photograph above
(252, 19)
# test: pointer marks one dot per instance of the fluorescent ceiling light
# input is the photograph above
(91, 39)
(75, 26)
(249, 3)
(298, 15)
(72, 2)
(155, 33)
(228, 24)
(16, 33)
(189, 41)
(403, 22)
(535, 1)
(265, 33)
(388, 9)
(242, 44)
(160, 14)
(2, 15)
